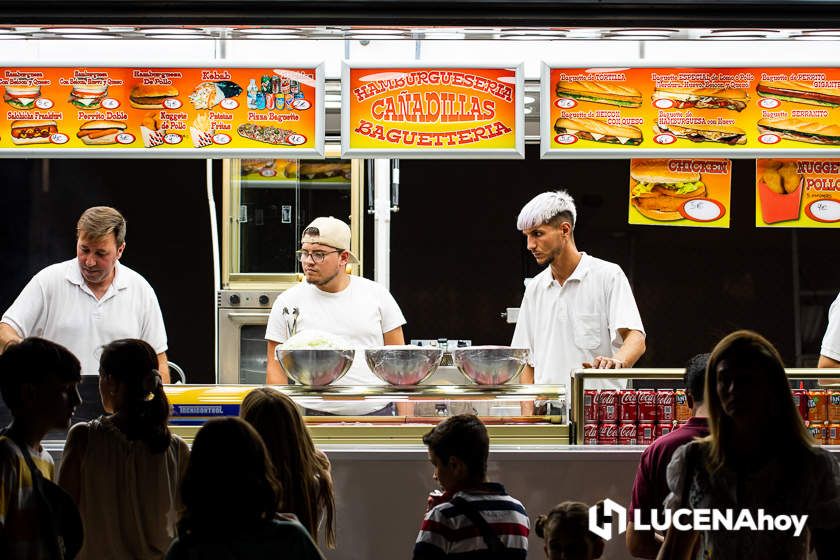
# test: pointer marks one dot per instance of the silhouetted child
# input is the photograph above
(565, 530)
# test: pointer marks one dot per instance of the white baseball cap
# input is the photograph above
(330, 231)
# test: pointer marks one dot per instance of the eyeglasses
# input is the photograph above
(316, 256)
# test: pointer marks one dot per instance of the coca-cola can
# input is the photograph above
(817, 406)
(833, 406)
(590, 433)
(608, 405)
(820, 433)
(608, 433)
(663, 428)
(647, 405)
(645, 433)
(664, 405)
(590, 405)
(627, 433)
(628, 405)
(683, 412)
(800, 400)
(834, 434)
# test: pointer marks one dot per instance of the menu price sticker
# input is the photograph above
(442, 111)
(148, 111)
(797, 193)
(737, 112)
(680, 192)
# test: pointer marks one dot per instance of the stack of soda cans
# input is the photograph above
(632, 416)
(820, 410)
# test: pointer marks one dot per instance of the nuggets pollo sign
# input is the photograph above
(179, 111)
(722, 112)
(442, 111)
(797, 193)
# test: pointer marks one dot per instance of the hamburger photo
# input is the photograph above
(22, 97)
(801, 130)
(100, 132)
(704, 98)
(606, 93)
(659, 192)
(152, 96)
(799, 92)
(32, 132)
(88, 96)
(599, 131)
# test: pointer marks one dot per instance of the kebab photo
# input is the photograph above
(207, 95)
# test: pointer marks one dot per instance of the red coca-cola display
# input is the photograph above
(663, 428)
(608, 434)
(608, 405)
(590, 433)
(590, 405)
(645, 433)
(664, 405)
(681, 408)
(628, 406)
(646, 399)
(800, 400)
(627, 433)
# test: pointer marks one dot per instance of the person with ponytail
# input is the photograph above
(124, 468)
(303, 470)
(565, 530)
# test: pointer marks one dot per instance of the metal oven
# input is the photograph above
(243, 316)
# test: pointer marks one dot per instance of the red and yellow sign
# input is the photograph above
(715, 111)
(445, 112)
(177, 111)
(680, 192)
(797, 193)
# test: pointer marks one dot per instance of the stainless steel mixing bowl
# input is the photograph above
(402, 365)
(490, 365)
(315, 366)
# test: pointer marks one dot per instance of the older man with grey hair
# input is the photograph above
(579, 311)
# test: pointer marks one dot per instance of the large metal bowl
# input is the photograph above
(490, 365)
(403, 365)
(315, 366)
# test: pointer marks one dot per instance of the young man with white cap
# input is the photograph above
(579, 311)
(356, 309)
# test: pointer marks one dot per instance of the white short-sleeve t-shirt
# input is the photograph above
(57, 305)
(359, 314)
(831, 341)
(567, 325)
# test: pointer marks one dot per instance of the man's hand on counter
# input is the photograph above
(602, 362)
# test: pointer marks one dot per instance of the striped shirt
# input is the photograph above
(447, 533)
(19, 519)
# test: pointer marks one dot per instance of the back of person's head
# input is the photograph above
(748, 350)
(552, 208)
(132, 364)
(35, 361)
(229, 483)
(695, 377)
(463, 436)
(565, 530)
(302, 471)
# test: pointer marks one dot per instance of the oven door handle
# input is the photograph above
(239, 317)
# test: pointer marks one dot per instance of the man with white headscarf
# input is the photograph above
(579, 311)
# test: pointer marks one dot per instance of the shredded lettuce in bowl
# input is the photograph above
(314, 340)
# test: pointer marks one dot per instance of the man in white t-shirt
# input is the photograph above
(830, 350)
(356, 309)
(89, 301)
(579, 311)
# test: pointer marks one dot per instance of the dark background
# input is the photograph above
(457, 259)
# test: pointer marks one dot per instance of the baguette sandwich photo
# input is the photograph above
(32, 132)
(799, 92)
(600, 92)
(704, 98)
(599, 131)
(725, 134)
(100, 132)
(801, 130)
(659, 192)
(151, 97)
